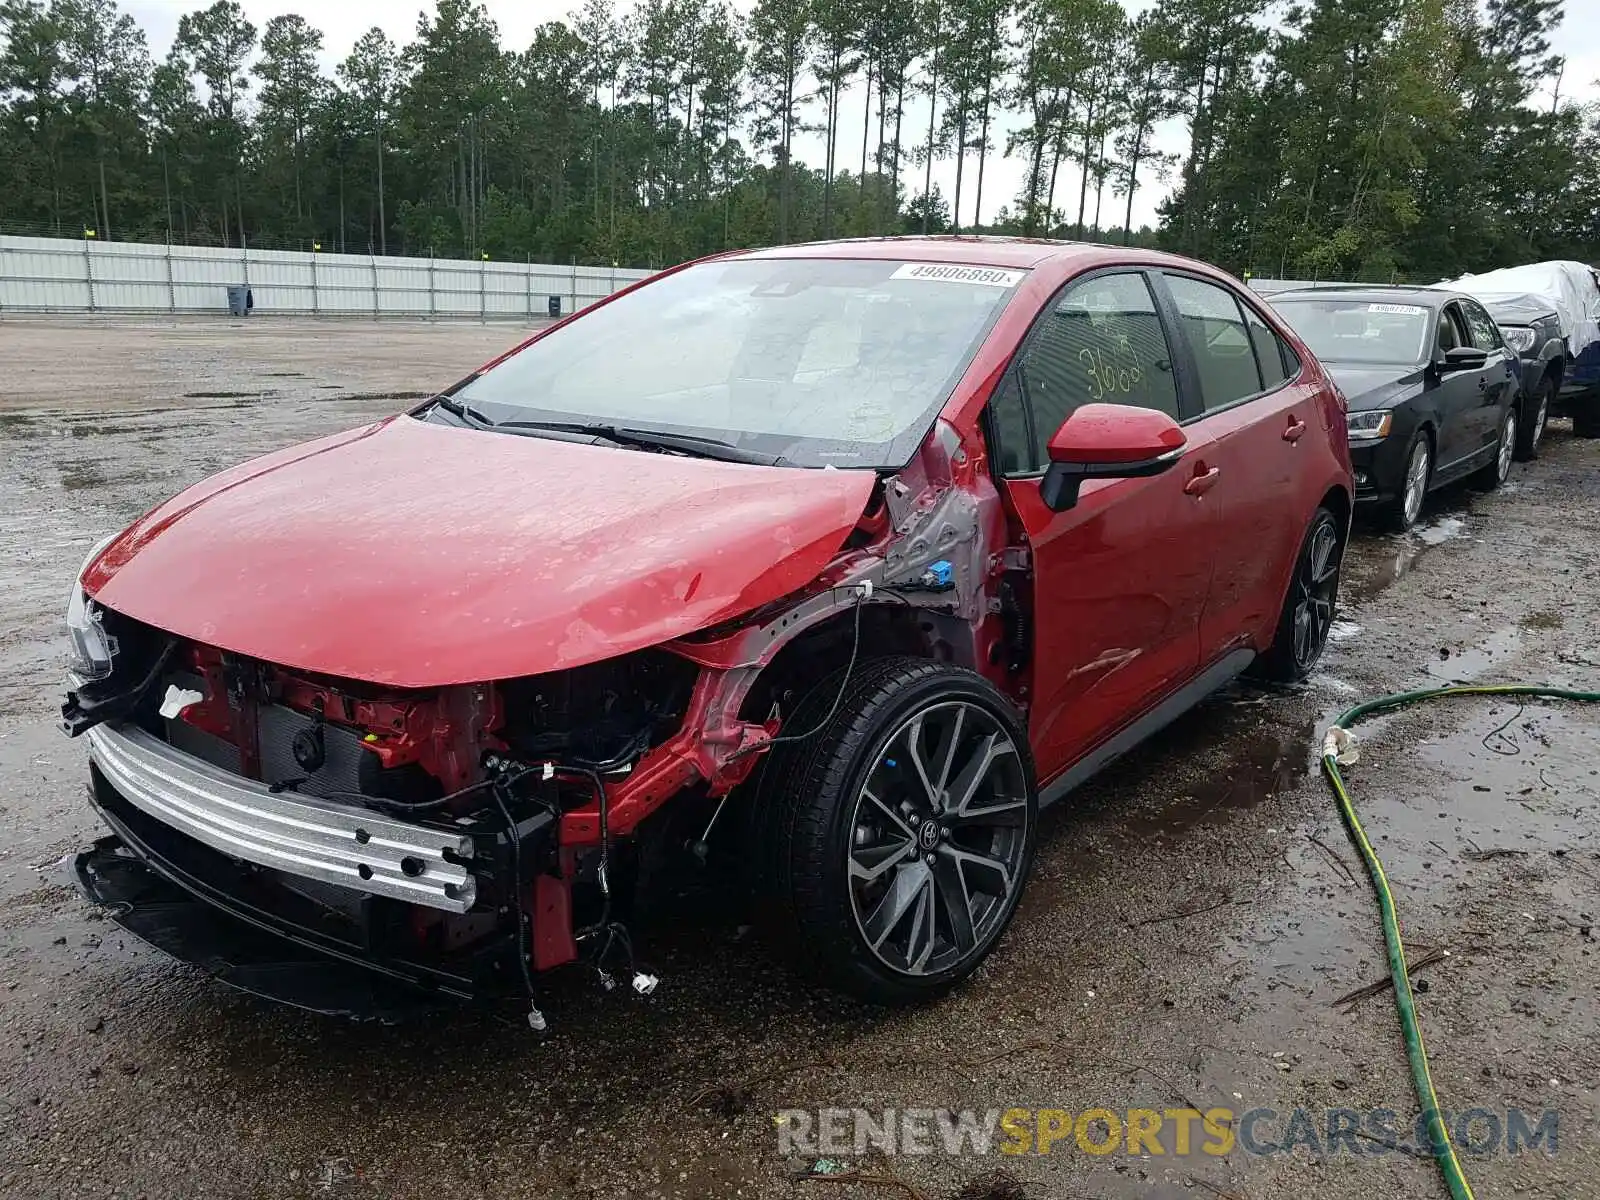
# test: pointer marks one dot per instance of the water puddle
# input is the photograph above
(1385, 561)
(1227, 761)
(1458, 662)
(80, 475)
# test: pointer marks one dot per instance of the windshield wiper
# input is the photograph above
(457, 408)
(650, 439)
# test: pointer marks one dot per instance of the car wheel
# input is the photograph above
(1586, 420)
(1531, 432)
(1489, 477)
(1406, 507)
(899, 837)
(1308, 609)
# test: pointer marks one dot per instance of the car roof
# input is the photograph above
(1427, 297)
(971, 250)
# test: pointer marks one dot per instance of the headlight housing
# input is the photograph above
(1372, 425)
(1519, 337)
(90, 647)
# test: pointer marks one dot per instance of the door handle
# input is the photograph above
(1295, 431)
(1203, 481)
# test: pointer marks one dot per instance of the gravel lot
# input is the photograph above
(1191, 918)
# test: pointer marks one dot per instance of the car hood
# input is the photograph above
(1370, 385)
(419, 555)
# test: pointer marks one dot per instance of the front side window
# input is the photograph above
(826, 362)
(1011, 440)
(1099, 342)
(1485, 336)
(1452, 329)
(1224, 354)
(1339, 329)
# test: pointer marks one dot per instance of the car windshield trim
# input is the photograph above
(805, 362)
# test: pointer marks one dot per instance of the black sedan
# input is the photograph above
(1434, 392)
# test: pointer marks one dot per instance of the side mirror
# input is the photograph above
(1464, 358)
(1108, 441)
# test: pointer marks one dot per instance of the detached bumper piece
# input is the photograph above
(316, 839)
(233, 951)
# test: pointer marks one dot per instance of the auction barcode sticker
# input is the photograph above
(1408, 310)
(950, 273)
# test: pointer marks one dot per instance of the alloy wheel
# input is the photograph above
(1416, 486)
(1539, 418)
(1508, 443)
(938, 839)
(1316, 587)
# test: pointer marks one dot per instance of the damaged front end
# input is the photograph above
(317, 839)
(265, 818)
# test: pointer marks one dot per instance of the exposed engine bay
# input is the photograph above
(478, 761)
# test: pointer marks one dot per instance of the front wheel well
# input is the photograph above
(1425, 429)
(887, 631)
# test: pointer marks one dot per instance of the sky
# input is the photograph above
(343, 21)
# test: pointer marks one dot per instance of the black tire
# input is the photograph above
(1490, 476)
(1535, 415)
(818, 820)
(1400, 514)
(1309, 605)
(1586, 419)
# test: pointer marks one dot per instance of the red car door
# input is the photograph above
(1259, 425)
(1120, 579)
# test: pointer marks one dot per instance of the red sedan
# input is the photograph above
(835, 561)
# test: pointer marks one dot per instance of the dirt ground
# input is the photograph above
(1191, 917)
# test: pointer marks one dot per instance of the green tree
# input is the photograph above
(33, 80)
(837, 24)
(292, 89)
(216, 43)
(371, 75)
(1149, 97)
(781, 36)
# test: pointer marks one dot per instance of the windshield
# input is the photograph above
(1358, 331)
(826, 362)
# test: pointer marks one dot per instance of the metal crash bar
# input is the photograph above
(299, 835)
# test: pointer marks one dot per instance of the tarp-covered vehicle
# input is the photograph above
(1550, 315)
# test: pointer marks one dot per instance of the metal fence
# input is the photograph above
(63, 275)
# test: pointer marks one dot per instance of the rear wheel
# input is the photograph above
(1489, 477)
(898, 839)
(1308, 609)
(1536, 412)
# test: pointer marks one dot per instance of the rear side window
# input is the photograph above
(1272, 356)
(1223, 351)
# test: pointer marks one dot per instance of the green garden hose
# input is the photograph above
(1443, 1149)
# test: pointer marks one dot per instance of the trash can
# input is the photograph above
(240, 301)
(555, 306)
